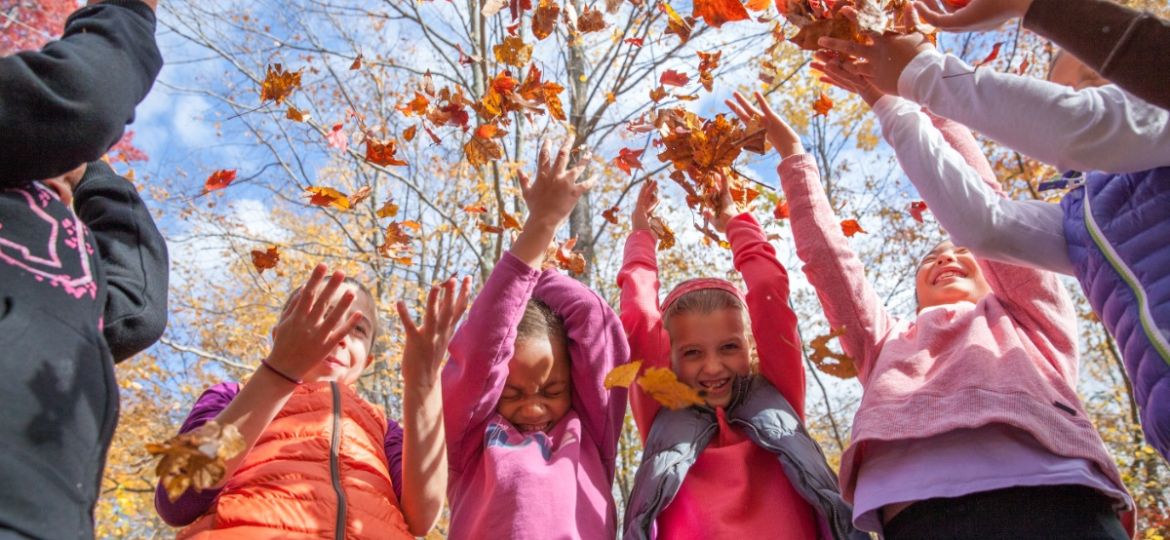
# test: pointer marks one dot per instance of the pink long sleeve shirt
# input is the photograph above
(1008, 360)
(735, 489)
(507, 484)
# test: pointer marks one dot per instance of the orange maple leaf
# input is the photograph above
(219, 180)
(562, 256)
(513, 52)
(663, 385)
(781, 211)
(590, 20)
(610, 215)
(323, 196)
(544, 19)
(195, 459)
(383, 153)
(408, 134)
(707, 64)
(265, 260)
(851, 227)
(823, 105)
(717, 12)
(836, 364)
(676, 25)
(278, 84)
(415, 107)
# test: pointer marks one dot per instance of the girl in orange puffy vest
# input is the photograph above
(320, 461)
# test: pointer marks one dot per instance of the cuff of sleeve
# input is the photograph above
(744, 228)
(640, 248)
(513, 265)
(908, 80)
(138, 7)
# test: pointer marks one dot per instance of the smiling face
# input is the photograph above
(352, 352)
(708, 350)
(949, 274)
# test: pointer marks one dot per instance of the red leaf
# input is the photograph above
(674, 78)
(337, 138)
(265, 260)
(781, 211)
(628, 159)
(851, 227)
(611, 215)
(219, 180)
(637, 42)
(991, 56)
(916, 210)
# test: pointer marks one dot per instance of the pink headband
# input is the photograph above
(698, 284)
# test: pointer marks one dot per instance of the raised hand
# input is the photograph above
(843, 74)
(644, 208)
(975, 16)
(426, 345)
(311, 325)
(780, 134)
(884, 59)
(550, 200)
(726, 209)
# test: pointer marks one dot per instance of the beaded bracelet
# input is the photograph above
(282, 374)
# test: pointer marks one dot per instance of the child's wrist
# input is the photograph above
(274, 368)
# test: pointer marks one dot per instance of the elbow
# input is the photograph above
(132, 335)
(425, 519)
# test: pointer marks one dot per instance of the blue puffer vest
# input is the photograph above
(1118, 232)
(678, 437)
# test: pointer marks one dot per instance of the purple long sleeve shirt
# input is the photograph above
(192, 504)
(508, 484)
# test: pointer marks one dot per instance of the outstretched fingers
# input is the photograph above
(407, 320)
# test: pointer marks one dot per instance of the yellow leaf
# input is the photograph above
(623, 376)
(387, 210)
(663, 385)
(513, 51)
(323, 196)
(196, 458)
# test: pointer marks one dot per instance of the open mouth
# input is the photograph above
(533, 428)
(714, 386)
(947, 274)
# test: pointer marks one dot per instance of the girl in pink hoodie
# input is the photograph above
(969, 424)
(532, 432)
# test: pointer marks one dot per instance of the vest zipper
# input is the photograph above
(334, 462)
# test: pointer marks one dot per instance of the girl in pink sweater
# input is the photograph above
(531, 430)
(969, 424)
(742, 466)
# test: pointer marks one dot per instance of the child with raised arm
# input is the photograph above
(742, 465)
(1115, 150)
(532, 432)
(319, 460)
(969, 424)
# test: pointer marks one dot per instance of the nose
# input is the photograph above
(711, 366)
(945, 257)
(533, 410)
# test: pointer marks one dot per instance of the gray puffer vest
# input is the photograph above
(678, 437)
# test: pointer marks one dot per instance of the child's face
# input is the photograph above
(708, 350)
(538, 389)
(949, 274)
(351, 354)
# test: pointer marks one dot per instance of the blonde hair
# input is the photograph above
(704, 301)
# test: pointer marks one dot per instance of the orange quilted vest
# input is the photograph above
(318, 471)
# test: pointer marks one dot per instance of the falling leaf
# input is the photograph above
(475, 209)
(337, 138)
(265, 260)
(663, 385)
(490, 229)
(823, 105)
(781, 211)
(278, 84)
(195, 459)
(1023, 70)
(480, 151)
(492, 7)
(296, 115)
(509, 221)
(513, 51)
(219, 180)
(657, 94)
(383, 153)
(415, 107)
(671, 77)
(360, 195)
(758, 5)
(357, 63)
(590, 20)
(466, 59)
(636, 42)
(388, 210)
(565, 258)
(610, 97)
(742, 193)
(851, 227)
(717, 12)
(664, 233)
(707, 64)
(544, 19)
(610, 215)
(836, 364)
(622, 376)
(917, 208)
(628, 159)
(676, 25)
(990, 56)
(323, 196)
(408, 135)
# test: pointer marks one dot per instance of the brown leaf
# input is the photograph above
(408, 135)
(610, 215)
(195, 459)
(544, 19)
(296, 115)
(836, 364)
(388, 210)
(676, 25)
(278, 84)
(707, 64)
(265, 260)
(664, 233)
(590, 20)
(360, 195)
(357, 63)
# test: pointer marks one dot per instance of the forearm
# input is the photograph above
(424, 454)
(69, 102)
(642, 321)
(252, 410)
(1091, 129)
(134, 258)
(964, 202)
(1124, 45)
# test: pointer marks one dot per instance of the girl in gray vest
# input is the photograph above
(742, 464)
